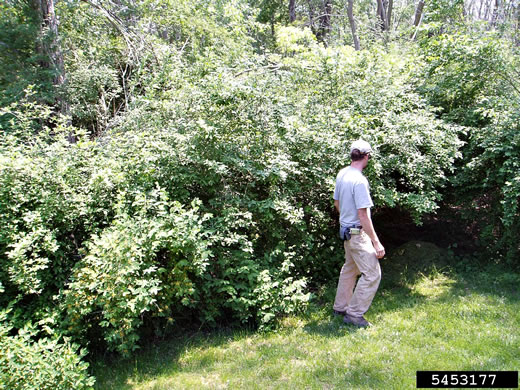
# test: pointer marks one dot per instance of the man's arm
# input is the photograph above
(336, 204)
(368, 227)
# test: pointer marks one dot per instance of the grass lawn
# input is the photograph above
(457, 318)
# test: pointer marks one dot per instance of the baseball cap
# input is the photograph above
(362, 146)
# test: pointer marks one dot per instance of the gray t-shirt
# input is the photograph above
(353, 193)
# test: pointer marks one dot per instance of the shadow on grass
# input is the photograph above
(416, 274)
(160, 358)
(408, 283)
(157, 366)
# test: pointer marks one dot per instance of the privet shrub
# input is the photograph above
(211, 198)
(29, 362)
(89, 226)
(492, 180)
(144, 263)
(271, 142)
(472, 79)
(460, 71)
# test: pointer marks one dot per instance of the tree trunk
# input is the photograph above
(311, 18)
(324, 20)
(381, 13)
(507, 12)
(418, 13)
(292, 11)
(517, 35)
(418, 17)
(488, 8)
(350, 13)
(378, 13)
(389, 14)
(469, 11)
(50, 45)
(496, 11)
(480, 10)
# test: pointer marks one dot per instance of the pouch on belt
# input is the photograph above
(346, 232)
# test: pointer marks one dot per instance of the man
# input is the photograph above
(362, 246)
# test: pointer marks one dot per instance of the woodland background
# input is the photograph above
(170, 163)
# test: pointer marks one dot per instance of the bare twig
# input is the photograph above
(117, 23)
(183, 46)
(509, 80)
(271, 67)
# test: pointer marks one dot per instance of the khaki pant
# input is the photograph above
(360, 258)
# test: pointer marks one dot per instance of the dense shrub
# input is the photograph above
(200, 185)
(143, 263)
(210, 198)
(30, 362)
(20, 60)
(461, 71)
(491, 180)
(88, 225)
(214, 200)
(473, 80)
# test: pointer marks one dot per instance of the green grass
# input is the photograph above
(450, 320)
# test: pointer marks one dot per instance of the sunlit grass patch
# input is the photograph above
(441, 320)
(432, 286)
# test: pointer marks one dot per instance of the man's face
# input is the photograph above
(366, 158)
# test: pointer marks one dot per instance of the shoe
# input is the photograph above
(339, 313)
(360, 322)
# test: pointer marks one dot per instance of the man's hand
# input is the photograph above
(366, 222)
(380, 250)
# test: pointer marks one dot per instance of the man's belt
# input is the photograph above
(345, 232)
